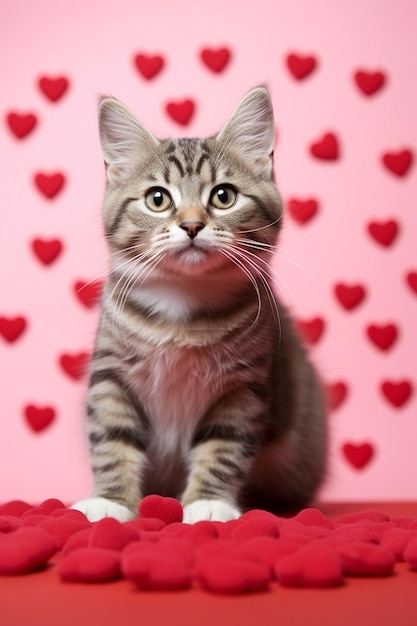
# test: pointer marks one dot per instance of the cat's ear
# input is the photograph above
(251, 130)
(123, 138)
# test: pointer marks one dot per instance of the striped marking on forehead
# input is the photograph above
(188, 156)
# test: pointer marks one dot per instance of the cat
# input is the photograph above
(200, 388)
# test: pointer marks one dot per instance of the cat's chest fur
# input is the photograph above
(176, 385)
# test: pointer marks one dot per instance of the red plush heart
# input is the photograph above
(21, 124)
(369, 82)
(11, 328)
(216, 59)
(326, 148)
(301, 66)
(168, 510)
(302, 211)
(411, 278)
(230, 574)
(47, 250)
(75, 365)
(312, 330)
(88, 292)
(49, 184)
(53, 87)
(25, 550)
(349, 296)
(314, 565)
(148, 65)
(384, 233)
(358, 455)
(336, 394)
(398, 163)
(182, 111)
(39, 418)
(397, 393)
(383, 337)
(90, 565)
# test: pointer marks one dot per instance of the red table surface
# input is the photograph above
(42, 599)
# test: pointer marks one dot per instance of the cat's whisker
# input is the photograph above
(231, 256)
(263, 275)
(254, 230)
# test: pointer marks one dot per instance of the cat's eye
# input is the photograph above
(223, 197)
(158, 199)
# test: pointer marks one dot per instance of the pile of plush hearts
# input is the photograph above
(158, 551)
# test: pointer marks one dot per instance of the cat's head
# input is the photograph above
(189, 207)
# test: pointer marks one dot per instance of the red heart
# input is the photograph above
(49, 184)
(47, 251)
(358, 455)
(11, 328)
(398, 163)
(53, 87)
(302, 211)
(39, 418)
(312, 329)
(384, 233)
(181, 112)
(336, 394)
(75, 365)
(21, 124)
(301, 66)
(326, 148)
(369, 82)
(88, 293)
(149, 66)
(411, 279)
(349, 296)
(216, 59)
(383, 337)
(397, 393)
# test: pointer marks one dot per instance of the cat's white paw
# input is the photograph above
(212, 510)
(97, 508)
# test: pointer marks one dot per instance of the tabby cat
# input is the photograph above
(200, 385)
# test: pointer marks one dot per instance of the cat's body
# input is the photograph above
(200, 386)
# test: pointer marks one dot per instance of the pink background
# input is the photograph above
(93, 45)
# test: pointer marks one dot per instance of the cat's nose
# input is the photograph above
(192, 228)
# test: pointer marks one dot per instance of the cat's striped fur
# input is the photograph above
(200, 386)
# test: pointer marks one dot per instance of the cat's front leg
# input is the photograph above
(118, 433)
(221, 457)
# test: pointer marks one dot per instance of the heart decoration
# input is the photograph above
(336, 394)
(397, 393)
(181, 112)
(88, 292)
(349, 296)
(39, 418)
(383, 337)
(326, 148)
(312, 330)
(49, 184)
(47, 250)
(384, 233)
(21, 124)
(411, 278)
(358, 455)
(216, 59)
(75, 365)
(302, 211)
(53, 87)
(11, 328)
(148, 65)
(398, 163)
(369, 82)
(301, 66)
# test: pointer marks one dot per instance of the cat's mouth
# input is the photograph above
(194, 256)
